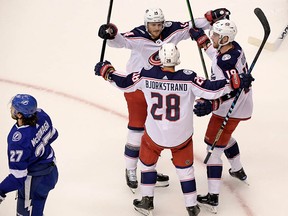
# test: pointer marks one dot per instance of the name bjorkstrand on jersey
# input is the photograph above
(166, 86)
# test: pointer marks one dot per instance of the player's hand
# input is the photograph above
(213, 16)
(199, 36)
(205, 107)
(104, 69)
(2, 198)
(246, 80)
(107, 31)
(241, 81)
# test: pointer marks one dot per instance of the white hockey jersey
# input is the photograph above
(170, 97)
(144, 50)
(223, 65)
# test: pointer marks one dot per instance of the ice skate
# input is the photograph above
(193, 210)
(162, 180)
(131, 179)
(240, 174)
(209, 201)
(144, 206)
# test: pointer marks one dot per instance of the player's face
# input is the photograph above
(215, 39)
(155, 29)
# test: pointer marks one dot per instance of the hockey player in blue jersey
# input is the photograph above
(170, 96)
(33, 172)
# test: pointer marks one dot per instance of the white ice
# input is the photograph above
(48, 48)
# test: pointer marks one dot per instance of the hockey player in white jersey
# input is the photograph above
(228, 58)
(170, 97)
(144, 42)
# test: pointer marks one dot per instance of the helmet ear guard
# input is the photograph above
(169, 55)
(24, 104)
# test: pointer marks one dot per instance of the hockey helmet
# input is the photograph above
(153, 15)
(224, 28)
(169, 55)
(24, 104)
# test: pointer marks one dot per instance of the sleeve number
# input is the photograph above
(172, 106)
(15, 155)
(229, 73)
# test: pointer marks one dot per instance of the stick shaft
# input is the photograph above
(105, 40)
(199, 49)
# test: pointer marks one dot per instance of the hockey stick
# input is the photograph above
(199, 49)
(270, 46)
(265, 24)
(105, 40)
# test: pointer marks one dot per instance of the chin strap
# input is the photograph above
(220, 45)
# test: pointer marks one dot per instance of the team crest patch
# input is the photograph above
(16, 136)
(167, 24)
(226, 57)
(154, 59)
(187, 72)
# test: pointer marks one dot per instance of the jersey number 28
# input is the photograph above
(172, 106)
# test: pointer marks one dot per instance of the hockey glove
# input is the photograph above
(246, 80)
(213, 16)
(199, 36)
(107, 31)
(241, 81)
(205, 107)
(104, 69)
(2, 198)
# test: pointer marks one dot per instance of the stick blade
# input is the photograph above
(257, 42)
(261, 16)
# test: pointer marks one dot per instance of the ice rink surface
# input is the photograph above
(48, 48)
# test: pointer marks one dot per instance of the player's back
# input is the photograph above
(170, 99)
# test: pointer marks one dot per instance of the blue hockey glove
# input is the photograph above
(107, 31)
(199, 36)
(205, 107)
(104, 69)
(241, 81)
(213, 16)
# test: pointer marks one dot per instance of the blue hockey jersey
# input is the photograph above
(29, 151)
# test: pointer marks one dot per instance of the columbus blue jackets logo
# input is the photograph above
(154, 59)
(187, 72)
(226, 57)
(167, 24)
(16, 136)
